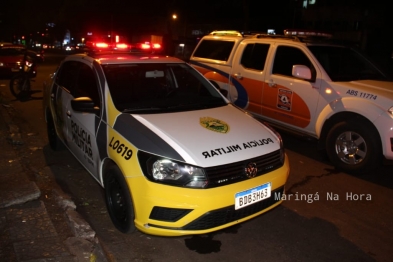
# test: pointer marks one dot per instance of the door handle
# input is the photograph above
(52, 96)
(238, 76)
(271, 83)
(68, 113)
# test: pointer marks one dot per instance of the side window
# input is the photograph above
(254, 56)
(214, 49)
(87, 84)
(66, 76)
(286, 57)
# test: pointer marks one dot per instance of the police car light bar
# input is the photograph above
(305, 33)
(226, 33)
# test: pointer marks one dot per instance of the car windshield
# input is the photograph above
(346, 64)
(160, 87)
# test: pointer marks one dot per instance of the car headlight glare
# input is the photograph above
(171, 172)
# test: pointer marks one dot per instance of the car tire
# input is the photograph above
(118, 200)
(54, 141)
(354, 147)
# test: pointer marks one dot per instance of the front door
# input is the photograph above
(288, 100)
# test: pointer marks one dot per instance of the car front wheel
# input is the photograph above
(118, 200)
(354, 147)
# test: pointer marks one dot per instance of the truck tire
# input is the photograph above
(354, 147)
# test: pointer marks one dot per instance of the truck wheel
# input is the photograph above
(54, 141)
(354, 147)
(118, 200)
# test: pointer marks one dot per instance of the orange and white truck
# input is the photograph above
(306, 83)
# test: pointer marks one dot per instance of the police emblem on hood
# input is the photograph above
(214, 124)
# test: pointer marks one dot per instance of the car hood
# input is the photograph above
(205, 138)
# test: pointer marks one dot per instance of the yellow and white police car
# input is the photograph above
(173, 155)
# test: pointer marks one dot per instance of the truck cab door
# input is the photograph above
(288, 100)
(248, 73)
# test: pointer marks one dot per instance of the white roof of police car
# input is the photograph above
(126, 58)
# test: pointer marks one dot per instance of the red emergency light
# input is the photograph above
(101, 45)
(121, 46)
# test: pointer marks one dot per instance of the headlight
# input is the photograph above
(161, 170)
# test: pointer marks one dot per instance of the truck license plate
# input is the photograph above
(253, 195)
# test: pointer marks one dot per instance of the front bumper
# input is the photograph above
(174, 211)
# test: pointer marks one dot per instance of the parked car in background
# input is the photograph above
(12, 58)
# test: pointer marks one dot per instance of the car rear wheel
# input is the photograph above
(354, 147)
(118, 200)
(54, 140)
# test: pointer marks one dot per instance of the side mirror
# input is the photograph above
(84, 105)
(302, 72)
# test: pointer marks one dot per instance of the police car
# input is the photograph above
(173, 155)
(306, 83)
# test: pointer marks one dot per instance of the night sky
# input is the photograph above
(24, 16)
(130, 17)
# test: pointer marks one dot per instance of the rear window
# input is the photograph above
(214, 49)
(254, 56)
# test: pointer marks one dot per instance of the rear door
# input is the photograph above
(248, 74)
(82, 126)
(64, 84)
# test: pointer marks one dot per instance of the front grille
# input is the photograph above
(226, 215)
(235, 172)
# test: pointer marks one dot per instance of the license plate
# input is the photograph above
(253, 195)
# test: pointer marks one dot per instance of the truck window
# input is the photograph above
(254, 56)
(286, 57)
(213, 49)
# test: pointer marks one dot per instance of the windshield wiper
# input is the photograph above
(140, 109)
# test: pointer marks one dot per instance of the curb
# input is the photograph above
(16, 188)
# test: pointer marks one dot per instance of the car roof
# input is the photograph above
(304, 37)
(125, 58)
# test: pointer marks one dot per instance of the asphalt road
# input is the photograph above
(327, 215)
